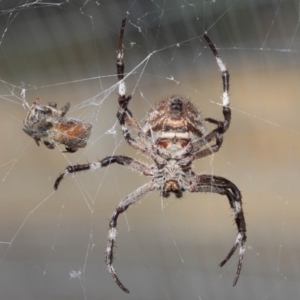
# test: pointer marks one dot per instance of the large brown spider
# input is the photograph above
(173, 136)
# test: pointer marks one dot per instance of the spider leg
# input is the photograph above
(222, 186)
(222, 126)
(112, 234)
(216, 134)
(225, 73)
(210, 148)
(121, 160)
(52, 104)
(64, 109)
(124, 115)
(48, 144)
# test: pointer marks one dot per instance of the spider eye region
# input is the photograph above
(176, 108)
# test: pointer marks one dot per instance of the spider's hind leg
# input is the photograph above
(222, 186)
(112, 234)
(235, 200)
(240, 240)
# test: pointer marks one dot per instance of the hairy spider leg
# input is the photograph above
(132, 198)
(222, 126)
(222, 186)
(119, 159)
(124, 115)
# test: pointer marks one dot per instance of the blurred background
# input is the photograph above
(52, 244)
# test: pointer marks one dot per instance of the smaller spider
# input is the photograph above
(48, 124)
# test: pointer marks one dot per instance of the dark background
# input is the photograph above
(52, 244)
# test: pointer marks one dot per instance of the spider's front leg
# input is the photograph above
(222, 186)
(124, 115)
(112, 234)
(222, 126)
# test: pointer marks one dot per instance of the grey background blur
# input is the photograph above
(52, 243)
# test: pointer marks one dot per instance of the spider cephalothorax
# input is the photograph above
(173, 137)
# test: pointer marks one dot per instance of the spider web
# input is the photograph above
(52, 243)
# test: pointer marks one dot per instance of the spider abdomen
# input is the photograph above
(174, 120)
